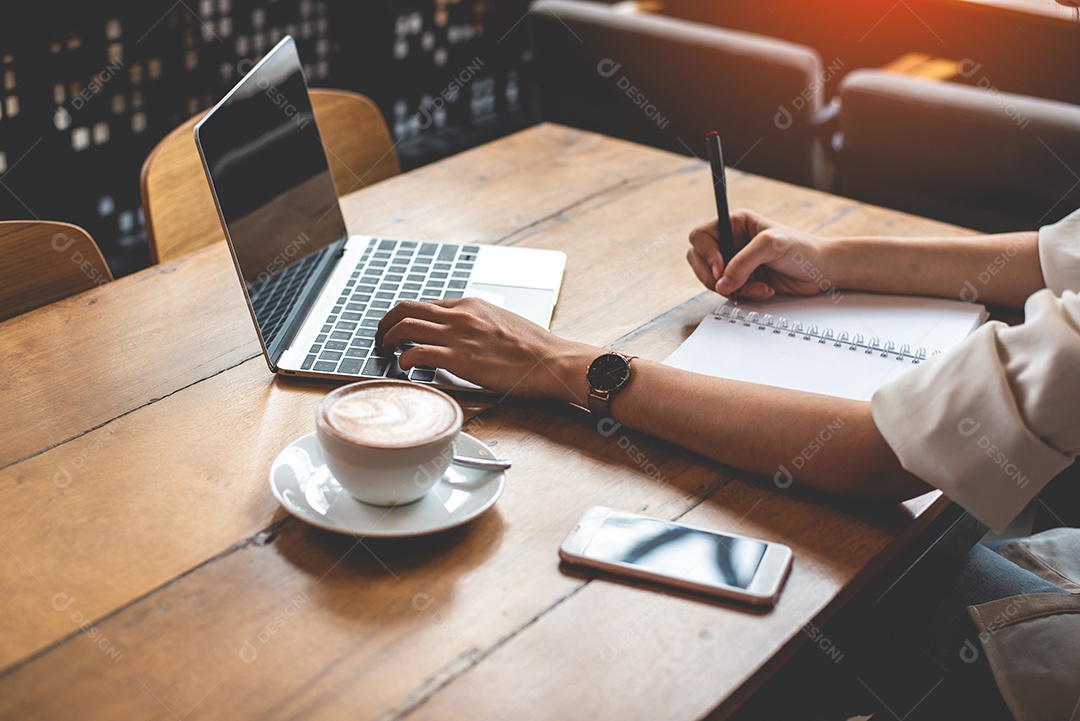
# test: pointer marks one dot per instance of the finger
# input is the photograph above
(431, 356)
(408, 309)
(701, 269)
(704, 242)
(757, 291)
(414, 330)
(757, 252)
(447, 302)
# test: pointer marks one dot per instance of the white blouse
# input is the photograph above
(993, 420)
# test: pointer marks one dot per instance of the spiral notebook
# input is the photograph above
(846, 346)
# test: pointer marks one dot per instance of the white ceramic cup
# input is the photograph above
(388, 442)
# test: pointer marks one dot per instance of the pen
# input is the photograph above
(726, 240)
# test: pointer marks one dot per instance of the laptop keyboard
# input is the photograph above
(389, 271)
(275, 297)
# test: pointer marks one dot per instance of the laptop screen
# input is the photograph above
(269, 173)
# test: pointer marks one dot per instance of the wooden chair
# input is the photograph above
(177, 202)
(42, 262)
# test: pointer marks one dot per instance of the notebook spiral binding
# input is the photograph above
(795, 329)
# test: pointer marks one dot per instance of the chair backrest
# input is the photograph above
(666, 82)
(42, 262)
(968, 155)
(176, 198)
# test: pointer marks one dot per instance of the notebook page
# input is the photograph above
(815, 364)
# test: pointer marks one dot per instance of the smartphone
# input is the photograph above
(686, 557)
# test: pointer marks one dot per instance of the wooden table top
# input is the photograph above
(148, 572)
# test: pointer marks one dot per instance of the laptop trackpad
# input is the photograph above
(532, 303)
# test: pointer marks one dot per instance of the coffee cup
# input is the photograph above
(385, 441)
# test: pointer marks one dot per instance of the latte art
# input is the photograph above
(392, 415)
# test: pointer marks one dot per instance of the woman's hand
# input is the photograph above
(489, 346)
(772, 258)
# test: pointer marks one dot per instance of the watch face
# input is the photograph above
(608, 372)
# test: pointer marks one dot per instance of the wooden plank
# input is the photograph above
(86, 360)
(78, 363)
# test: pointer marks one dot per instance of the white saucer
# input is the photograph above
(302, 483)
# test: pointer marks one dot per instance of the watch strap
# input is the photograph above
(600, 403)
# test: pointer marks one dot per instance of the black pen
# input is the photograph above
(726, 239)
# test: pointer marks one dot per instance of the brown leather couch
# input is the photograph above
(970, 155)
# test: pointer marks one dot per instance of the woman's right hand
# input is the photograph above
(771, 258)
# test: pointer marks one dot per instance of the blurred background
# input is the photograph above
(86, 92)
(90, 88)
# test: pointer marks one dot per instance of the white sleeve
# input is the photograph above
(1059, 254)
(992, 421)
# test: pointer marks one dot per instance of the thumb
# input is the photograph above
(756, 253)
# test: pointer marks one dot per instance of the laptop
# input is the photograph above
(315, 291)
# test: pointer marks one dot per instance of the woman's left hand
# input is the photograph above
(489, 346)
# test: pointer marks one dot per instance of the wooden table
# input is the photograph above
(147, 571)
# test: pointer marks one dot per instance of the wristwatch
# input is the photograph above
(607, 375)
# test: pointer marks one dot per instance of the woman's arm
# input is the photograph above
(823, 442)
(999, 269)
(830, 444)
